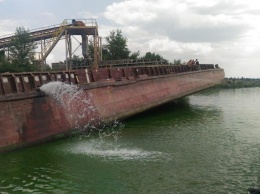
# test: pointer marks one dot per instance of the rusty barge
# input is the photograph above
(29, 116)
(115, 90)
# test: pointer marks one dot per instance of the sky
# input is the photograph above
(222, 32)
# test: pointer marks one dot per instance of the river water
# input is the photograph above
(205, 143)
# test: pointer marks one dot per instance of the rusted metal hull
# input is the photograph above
(33, 117)
(126, 99)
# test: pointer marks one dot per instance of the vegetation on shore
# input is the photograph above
(21, 52)
(239, 83)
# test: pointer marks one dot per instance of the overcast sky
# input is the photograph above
(224, 32)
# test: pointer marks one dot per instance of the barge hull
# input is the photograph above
(38, 118)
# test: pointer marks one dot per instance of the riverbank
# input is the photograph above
(239, 83)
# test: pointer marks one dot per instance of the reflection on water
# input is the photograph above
(205, 143)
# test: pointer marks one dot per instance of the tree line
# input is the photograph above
(20, 57)
(20, 54)
(232, 83)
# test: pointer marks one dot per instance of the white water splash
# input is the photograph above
(113, 151)
(79, 110)
(76, 105)
(57, 89)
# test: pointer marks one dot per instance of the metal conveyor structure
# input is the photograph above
(48, 37)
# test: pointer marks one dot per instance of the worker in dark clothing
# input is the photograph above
(197, 62)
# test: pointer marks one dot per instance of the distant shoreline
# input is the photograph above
(239, 83)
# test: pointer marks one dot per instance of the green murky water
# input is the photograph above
(206, 143)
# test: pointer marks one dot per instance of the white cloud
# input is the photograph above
(88, 15)
(48, 14)
(8, 26)
(215, 31)
(175, 19)
(134, 11)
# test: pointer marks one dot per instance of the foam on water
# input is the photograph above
(113, 151)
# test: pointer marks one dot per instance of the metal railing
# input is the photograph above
(12, 83)
(132, 62)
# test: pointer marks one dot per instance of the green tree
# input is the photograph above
(5, 66)
(177, 62)
(116, 49)
(2, 55)
(116, 46)
(76, 60)
(135, 55)
(91, 51)
(152, 56)
(22, 50)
